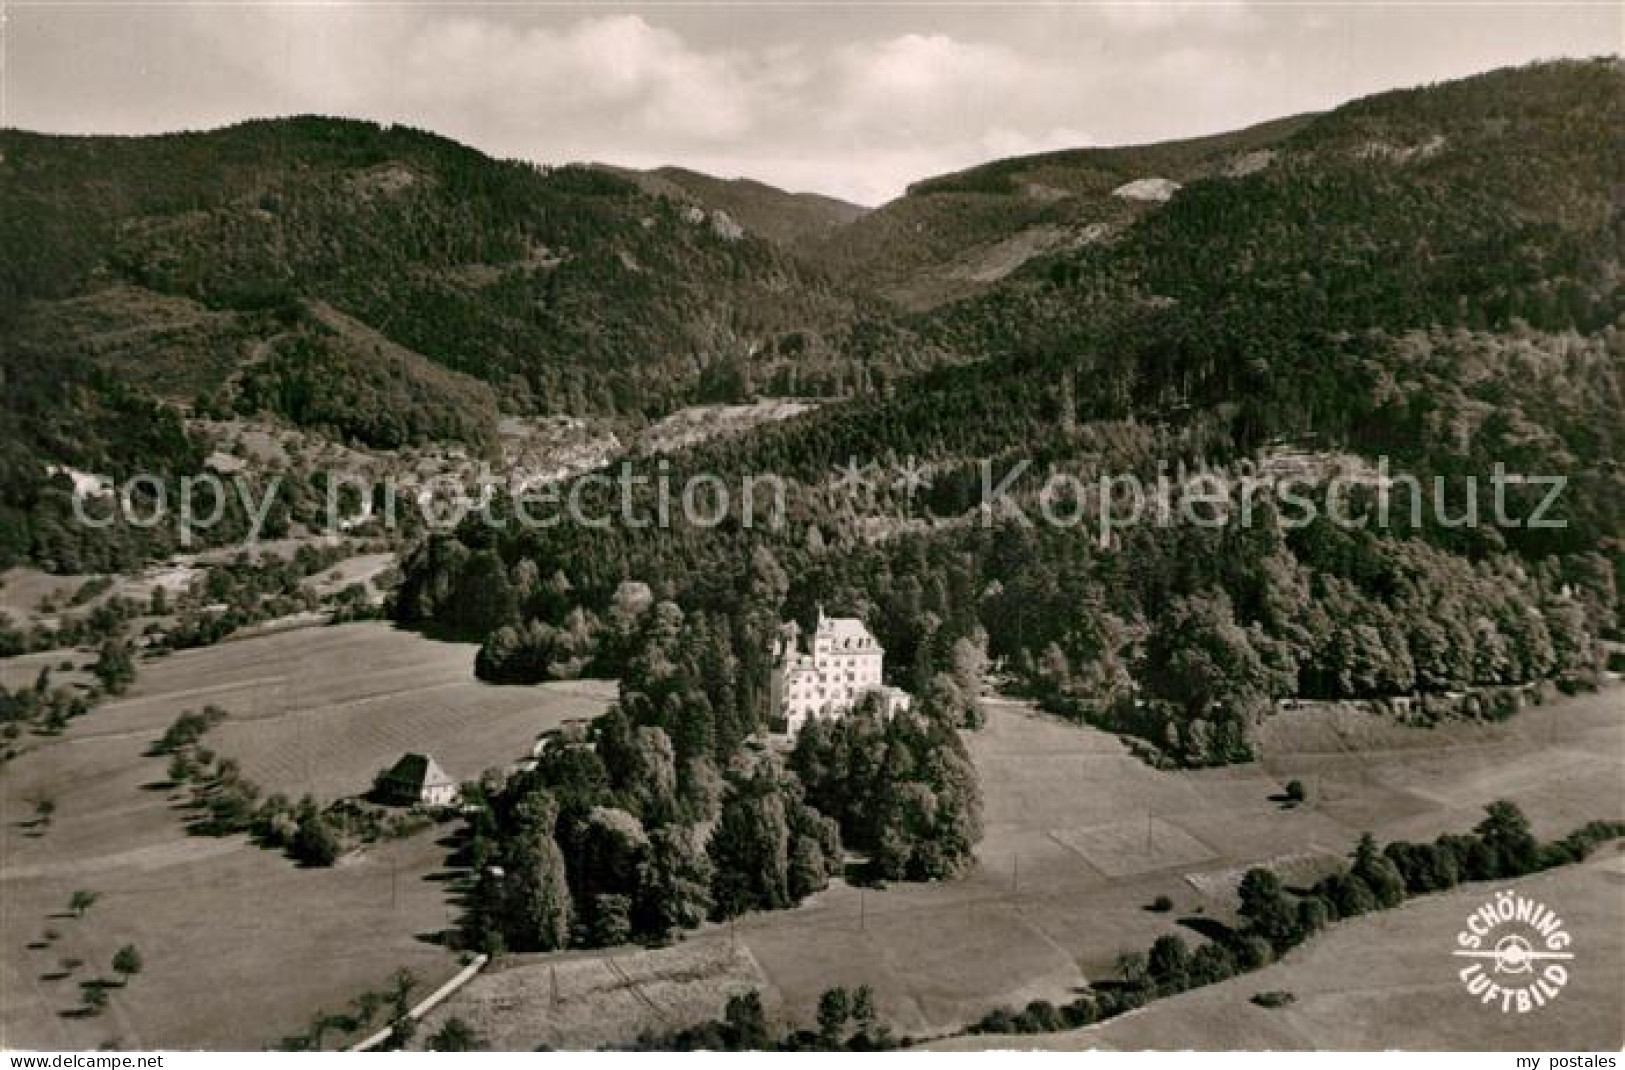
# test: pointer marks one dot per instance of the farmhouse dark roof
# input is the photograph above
(416, 771)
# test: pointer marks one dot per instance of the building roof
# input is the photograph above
(417, 772)
(845, 632)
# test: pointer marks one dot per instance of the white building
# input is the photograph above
(417, 780)
(825, 677)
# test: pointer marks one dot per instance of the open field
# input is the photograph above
(589, 999)
(1081, 836)
(22, 590)
(24, 669)
(362, 568)
(321, 710)
(1388, 981)
(242, 946)
(699, 423)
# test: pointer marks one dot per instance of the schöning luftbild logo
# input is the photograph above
(1519, 951)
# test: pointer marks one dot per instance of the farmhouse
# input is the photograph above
(417, 779)
(840, 663)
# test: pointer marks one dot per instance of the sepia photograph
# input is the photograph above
(806, 526)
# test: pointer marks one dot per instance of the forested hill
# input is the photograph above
(378, 285)
(1434, 273)
(956, 235)
(789, 219)
(565, 289)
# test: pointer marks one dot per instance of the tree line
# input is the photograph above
(1273, 920)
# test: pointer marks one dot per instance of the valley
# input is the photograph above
(1080, 837)
(339, 730)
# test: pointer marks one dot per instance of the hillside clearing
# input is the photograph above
(317, 709)
(1387, 981)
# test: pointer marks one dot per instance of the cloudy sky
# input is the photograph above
(851, 100)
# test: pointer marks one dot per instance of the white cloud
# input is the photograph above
(932, 87)
(1155, 15)
(863, 119)
(856, 110)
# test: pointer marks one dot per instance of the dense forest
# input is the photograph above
(380, 285)
(664, 812)
(1354, 324)
(954, 236)
(1450, 309)
(569, 289)
(1429, 275)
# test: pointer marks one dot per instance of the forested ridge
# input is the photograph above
(951, 236)
(787, 219)
(1430, 275)
(379, 285)
(567, 287)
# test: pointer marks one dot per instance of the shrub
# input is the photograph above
(93, 998)
(1349, 895)
(314, 842)
(127, 963)
(1252, 953)
(1314, 914)
(1169, 961)
(455, 1035)
(997, 1020)
(1210, 964)
(1041, 1016)
(1080, 1012)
